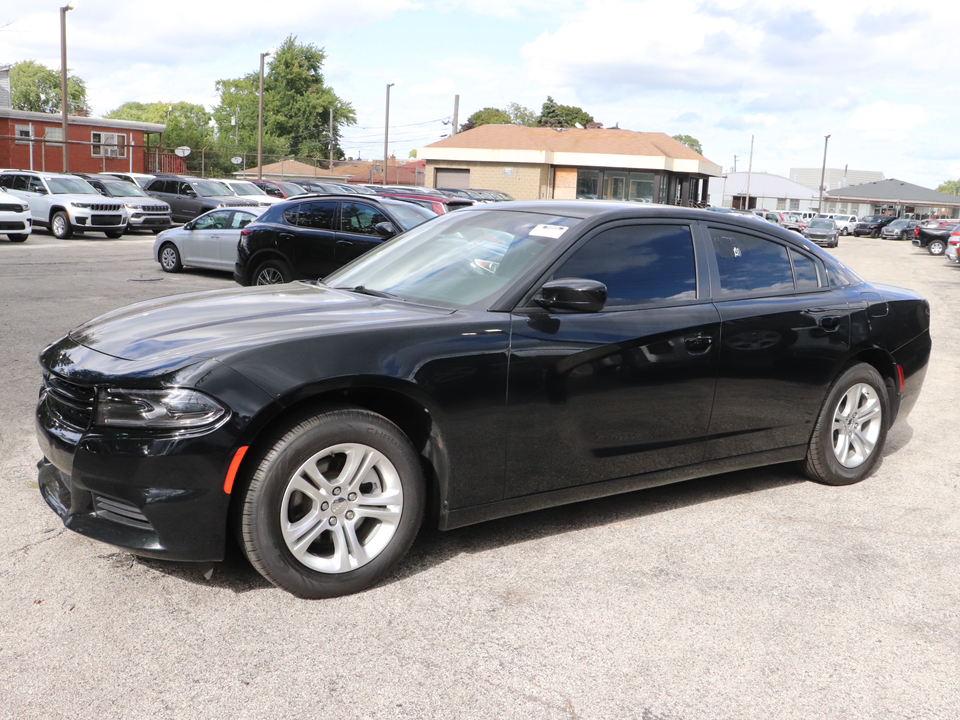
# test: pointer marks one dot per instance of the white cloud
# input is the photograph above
(440, 86)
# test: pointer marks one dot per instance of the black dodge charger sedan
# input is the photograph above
(493, 361)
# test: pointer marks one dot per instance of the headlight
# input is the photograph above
(134, 207)
(173, 409)
(81, 204)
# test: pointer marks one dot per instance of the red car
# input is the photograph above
(279, 189)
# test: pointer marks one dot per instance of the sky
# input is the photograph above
(876, 76)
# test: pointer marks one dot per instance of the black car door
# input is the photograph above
(628, 390)
(783, 333)
(307, 238)
(358, 230)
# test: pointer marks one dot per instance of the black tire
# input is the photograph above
(875, 234)
(169, 258)
(937, 247)
(17, 238)
(156, 231)
(272, 272)
(113, 234)
(60, 225)
(297, 493)
(844, 231)
(858, 392)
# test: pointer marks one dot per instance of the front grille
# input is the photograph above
(11, 208)
(105, 207)
(156, 221)
(72, 404)
(121, 512)
(155, 209)
(106, 220)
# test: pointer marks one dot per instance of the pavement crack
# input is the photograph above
(26, 547)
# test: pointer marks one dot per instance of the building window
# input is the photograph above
(794, 204)
(588, 184)
(641, 187)
(108, 145)
(24, 134)
(781, 203)
(53, 135)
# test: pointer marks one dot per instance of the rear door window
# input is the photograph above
(750, 265)
(316, 215)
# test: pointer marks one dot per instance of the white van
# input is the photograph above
(845, 223)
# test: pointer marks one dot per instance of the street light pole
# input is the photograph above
(386, 136)
(64, 99)
(823, 173)
(260, 120)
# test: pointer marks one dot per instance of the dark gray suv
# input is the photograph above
(189, 196)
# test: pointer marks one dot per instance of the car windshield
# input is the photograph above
(821, 223)
(898, 224)
(290, 188)
(70, 186)
(210, 188)
(124, 189)
(242, 188)
(409, 215)
(460, 260)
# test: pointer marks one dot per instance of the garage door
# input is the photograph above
(450, 178)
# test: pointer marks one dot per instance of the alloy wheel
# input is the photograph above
(857, 422)
(269, 276)
(341, 508)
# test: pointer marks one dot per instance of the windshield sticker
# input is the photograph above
(549, 231)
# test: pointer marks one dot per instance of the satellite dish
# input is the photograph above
(182, 151)
(236, 160)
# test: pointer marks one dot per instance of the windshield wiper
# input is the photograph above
(367, 291)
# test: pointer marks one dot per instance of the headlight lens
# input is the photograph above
(134, 207)
(81, 204)
(173, 409)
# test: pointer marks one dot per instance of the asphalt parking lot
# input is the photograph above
(748, 595)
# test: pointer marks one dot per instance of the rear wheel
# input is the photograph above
(170, 258)
(937, 247)
(60, 226)
(333, 505)
(852, 427)
(272, 272)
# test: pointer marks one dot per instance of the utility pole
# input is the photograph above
(456, 113)
(386, 136)
(65, 96)
(331, 138)
(749, 173)
(823, 173)
(734, 163)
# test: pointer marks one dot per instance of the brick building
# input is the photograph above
(537, 162)
(33, 141)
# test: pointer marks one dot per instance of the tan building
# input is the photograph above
(533, 163)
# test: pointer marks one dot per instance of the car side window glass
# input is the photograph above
(750, 265)
(360, 218)
(213, 221)
(240, 220)
(35, 185)
(317, 215)
(185, 189)
(639, 264)
(290, 215)
(805, 270)
(6, 181)
(160, 186)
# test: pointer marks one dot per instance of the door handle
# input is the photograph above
(829, 322)
(698, 344)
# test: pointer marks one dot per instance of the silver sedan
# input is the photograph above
(208, 241)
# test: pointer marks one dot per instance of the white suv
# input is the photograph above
(65, 203)
(15, 220)
(846, 223)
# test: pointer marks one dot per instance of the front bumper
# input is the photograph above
(154, 495)
(159, 221)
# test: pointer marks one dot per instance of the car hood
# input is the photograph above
(212, 324)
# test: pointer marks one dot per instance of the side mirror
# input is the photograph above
(385, 229)
(189, 193)
(41, 191)
(574, 294)
(189, 225)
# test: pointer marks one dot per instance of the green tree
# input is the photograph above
(690, 142)
(951, 187)
(520, 115)
(297, 107)
(36, 87)
(486, 116)
(552, 114)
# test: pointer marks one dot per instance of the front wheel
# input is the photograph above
(936, 247)
(170, 258)
(17, 238)
(60, 226)
(875, 234)
(113, 234)
(333, 505)
(852, 427)
(272, 272)
(844, 232)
